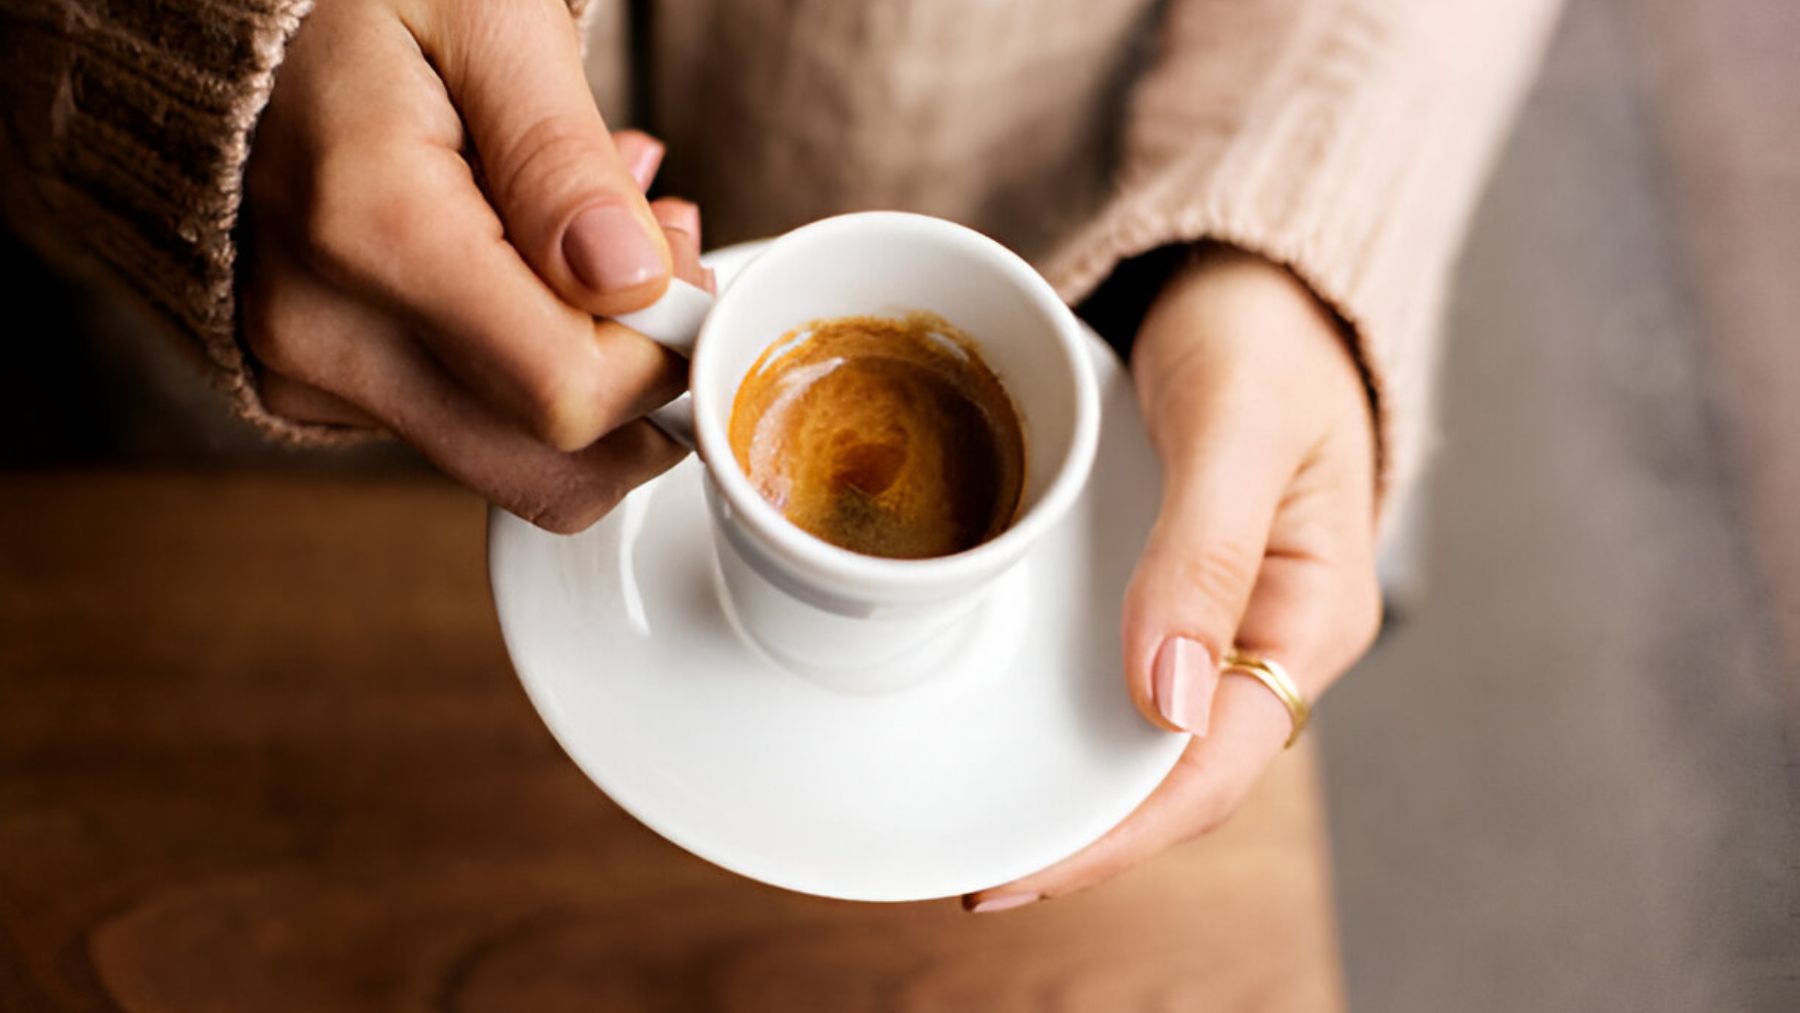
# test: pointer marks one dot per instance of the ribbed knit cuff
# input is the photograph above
(134, 127)
(1198, 205)
(148, 139)
(1354, 162)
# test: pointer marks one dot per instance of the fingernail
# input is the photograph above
(679, 215)
(608, 249)
(1181, 694)
(1000, 902)
(644, 163)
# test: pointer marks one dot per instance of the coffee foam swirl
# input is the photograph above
(887, 436)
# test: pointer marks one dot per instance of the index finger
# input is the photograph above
(420, 239)
(1312, 617)
(1211, 778)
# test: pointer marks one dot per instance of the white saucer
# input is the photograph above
(1022, 753)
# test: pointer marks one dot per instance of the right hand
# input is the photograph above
(439, 221)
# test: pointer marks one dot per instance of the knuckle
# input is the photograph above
(549, 162)
(570, 492)
(560, 408)
(674, 212)
(274, 330)
(333, 221)
(1220, 574)
(356, 219)
(565, 519)
(572, 508)
(589, 392)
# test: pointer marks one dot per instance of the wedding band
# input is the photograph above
(1279, 683)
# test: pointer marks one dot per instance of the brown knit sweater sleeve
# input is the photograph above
(1346, 139)
(123, 140)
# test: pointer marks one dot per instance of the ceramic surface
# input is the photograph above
(1018, 747)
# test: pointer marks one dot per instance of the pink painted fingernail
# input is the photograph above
(644, 163)
(1001, 902)
(1180, 686)
(609, 250)
(679, 215)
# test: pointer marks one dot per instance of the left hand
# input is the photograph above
(1265, 542)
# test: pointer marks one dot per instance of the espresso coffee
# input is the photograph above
(886, 436)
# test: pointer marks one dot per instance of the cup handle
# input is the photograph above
(673, 322)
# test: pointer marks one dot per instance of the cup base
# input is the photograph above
(983, 636)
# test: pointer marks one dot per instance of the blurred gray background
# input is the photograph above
(1567, 777)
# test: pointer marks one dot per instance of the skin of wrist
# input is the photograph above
(1231, 323)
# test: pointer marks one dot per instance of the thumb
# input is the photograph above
(1198, 568)
(568, 200)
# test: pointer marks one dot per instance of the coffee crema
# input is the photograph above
(886, 436)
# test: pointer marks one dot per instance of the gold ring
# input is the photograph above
(1279, 682)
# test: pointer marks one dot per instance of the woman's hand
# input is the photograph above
(437, 216)
(1265, 542)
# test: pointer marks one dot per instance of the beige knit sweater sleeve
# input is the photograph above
(1344, 138)
(122, 143)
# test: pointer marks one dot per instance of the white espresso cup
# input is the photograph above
(853, 621)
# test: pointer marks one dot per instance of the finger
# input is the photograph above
(1259, 424)
(1314, 609)
(569, 201)
(364, 356)
(641, 153)
(1317, 604)
(675, 213)
(1205, 788)
(681, 227)
(390, 211)
(1315, 618)
(302, 402)
(412, 233)
(1222, 488)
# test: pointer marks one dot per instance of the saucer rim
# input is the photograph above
(540, 690)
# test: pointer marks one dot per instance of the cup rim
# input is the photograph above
(804, 549)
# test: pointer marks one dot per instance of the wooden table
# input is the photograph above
(261, 750)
